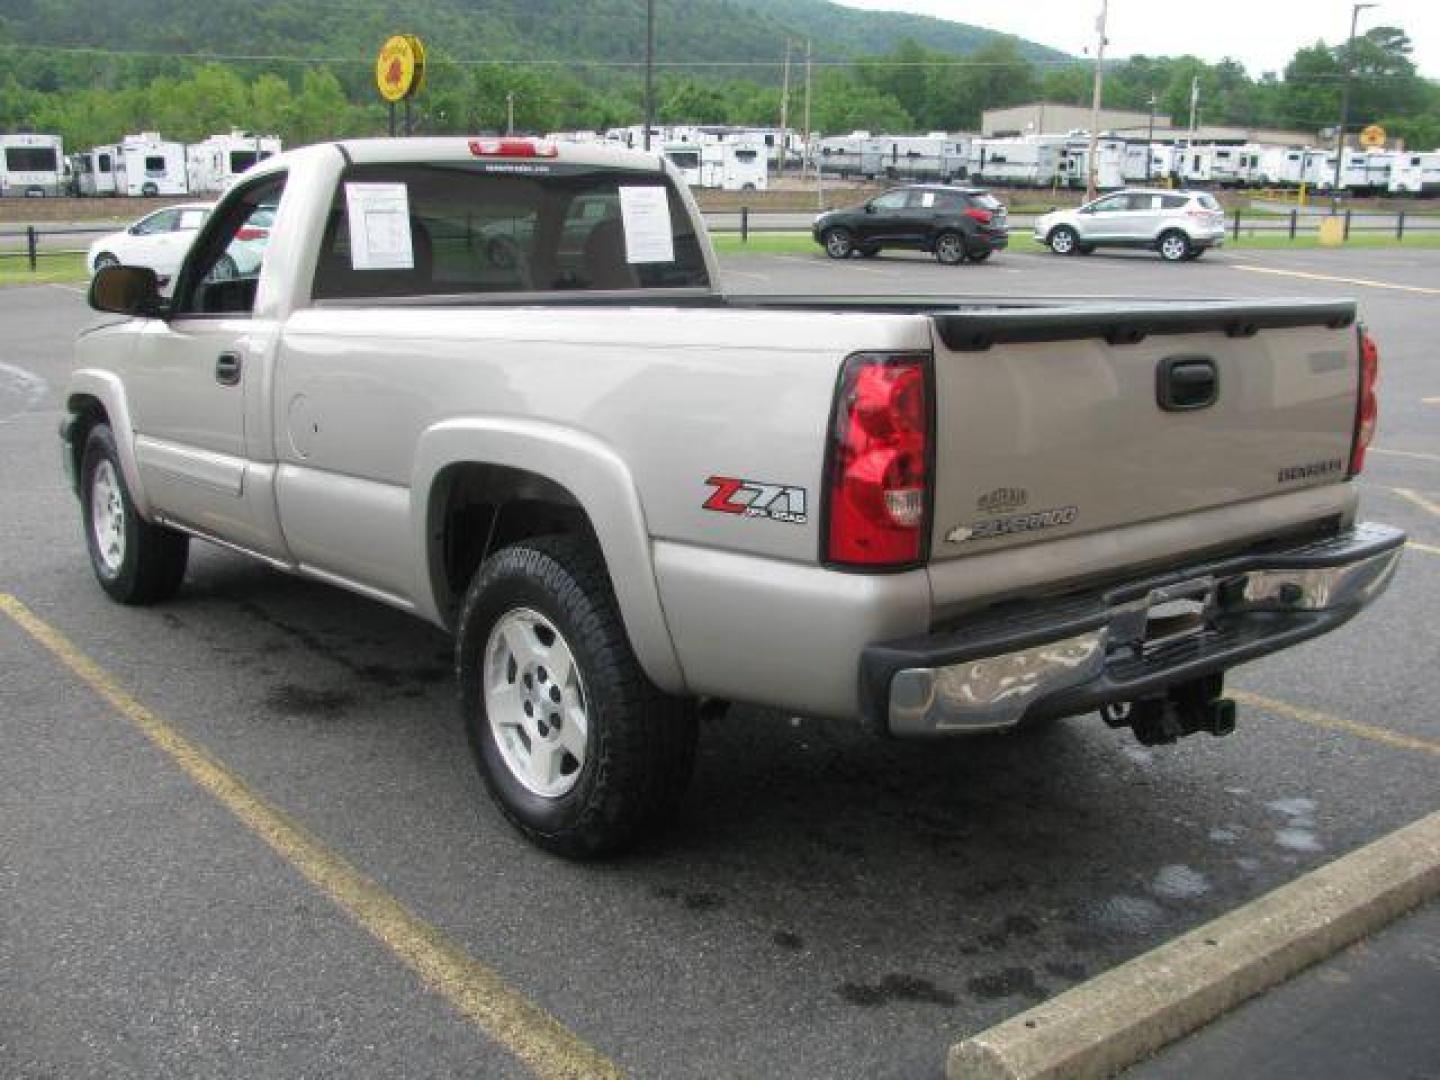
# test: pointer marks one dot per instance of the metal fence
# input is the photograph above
(31, 242)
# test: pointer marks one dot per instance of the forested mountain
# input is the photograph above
(594, 30)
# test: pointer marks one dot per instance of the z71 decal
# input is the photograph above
(756, 499)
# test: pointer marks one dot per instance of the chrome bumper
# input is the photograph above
(1130, 641)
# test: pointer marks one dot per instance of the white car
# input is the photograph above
(1180, 225)
(160, 241)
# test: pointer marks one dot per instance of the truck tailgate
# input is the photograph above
(1052, 422)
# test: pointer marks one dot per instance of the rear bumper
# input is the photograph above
(1132, 641)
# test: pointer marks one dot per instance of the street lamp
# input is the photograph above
(1355, 10)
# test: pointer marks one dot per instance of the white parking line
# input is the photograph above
(1418, 499)
(1405, 453)
(1366, 282)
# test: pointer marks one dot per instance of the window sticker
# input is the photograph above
(379, 216)
(645, 214)
(927, 199)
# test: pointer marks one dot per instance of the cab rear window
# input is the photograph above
(1207, 201)
(480, 229)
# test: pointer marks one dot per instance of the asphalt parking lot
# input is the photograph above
(827, 904)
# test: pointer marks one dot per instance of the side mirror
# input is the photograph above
(126, 290)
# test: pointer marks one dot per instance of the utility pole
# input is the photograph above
(1355, 10)
(784, 106)
(510, 112)
(1150, 140)
(1095, 102)
(1194, 104)
(649, 69)
(805, 135)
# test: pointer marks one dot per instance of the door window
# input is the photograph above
(154, 166)
(222, 272)
(1111, 205)
(891, 201)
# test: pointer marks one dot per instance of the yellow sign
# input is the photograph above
(1372, 137)
(400, 67)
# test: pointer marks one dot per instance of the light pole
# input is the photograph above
(1150, 139)
(649, 69)
(1355, 10)
(1095, 102)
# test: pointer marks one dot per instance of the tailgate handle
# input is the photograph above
(1186, 382)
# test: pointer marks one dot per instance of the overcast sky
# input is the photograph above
(1261, 34)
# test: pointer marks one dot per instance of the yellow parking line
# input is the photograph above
(536, 1038)
(1367, 282)
(1418, 499)
(1336, 723)
(1426, 548)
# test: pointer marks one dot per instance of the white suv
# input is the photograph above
(1180, 225)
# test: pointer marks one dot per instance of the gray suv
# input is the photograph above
(1180, 225)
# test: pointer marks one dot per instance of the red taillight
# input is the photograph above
(512, 148)
(879, 461)
(250, 233)
(1367, 410)
(982, 216)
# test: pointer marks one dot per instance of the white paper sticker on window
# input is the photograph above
(927, 199)
(379, 217)
(645, 213)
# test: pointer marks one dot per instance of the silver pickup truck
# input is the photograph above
(496, 383)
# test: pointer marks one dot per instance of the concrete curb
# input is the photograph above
(1116, 1019)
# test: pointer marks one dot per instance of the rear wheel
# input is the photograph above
(950, 248)
(980, 254)
(1085, 249)
(838, 243)
(134, 561)
(578, 749)
(1195, 253)
(1063, 240)
(1174, 246)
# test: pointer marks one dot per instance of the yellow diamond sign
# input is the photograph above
(400, 67)
(1372, 137)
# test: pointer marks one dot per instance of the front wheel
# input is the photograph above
(134, 561)
(981, 254)
(1063, 240)
(950, 249)
(105, 259)
(1174, 246)
(838, 243)
(578, 749)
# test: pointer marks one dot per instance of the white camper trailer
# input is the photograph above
(734, 166)
(1354, 174)
(32, 165)
(686, 158)
(96, 173)
(215, 164)
(1195, 164)
(1281, 166)
(1073, 167)
(146, 164)
(1416, 174)
(848, 155)
(1235, 166)
(1014, 162)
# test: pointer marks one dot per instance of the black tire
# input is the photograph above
(950, 249)
(1174, 246)
(839, 244)
(150, 562)
(1063, 240)
(1085, 249)
(1195, 253)
(639, 742)
(868, 251)
(979, 255)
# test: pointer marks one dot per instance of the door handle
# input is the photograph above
(1187, 382)
(227, 369)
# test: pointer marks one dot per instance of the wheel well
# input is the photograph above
(476, 509)
(85, 413)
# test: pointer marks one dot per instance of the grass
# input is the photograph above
(794, 243)
(51, 270)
